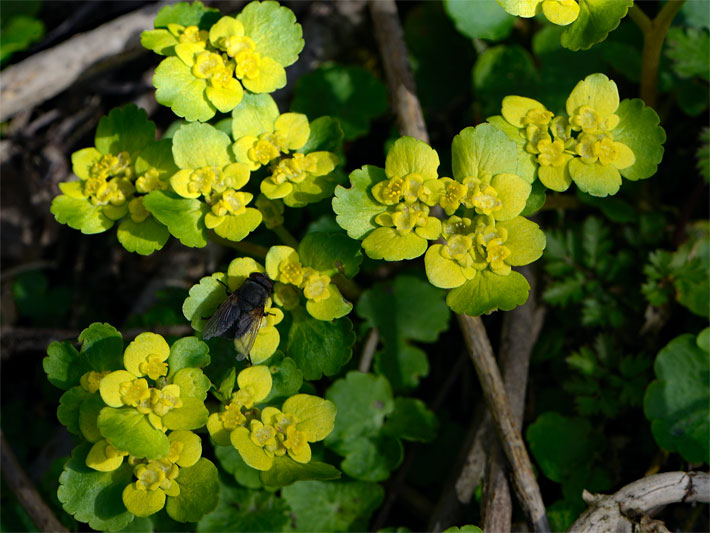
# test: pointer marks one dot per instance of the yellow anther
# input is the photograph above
(585, 118)
(316, 286)
(291, 272)
(262, 434)
(605, 150)
(201, 181)
(165, 399)
(153, 367)
(192, 34)
(91, 380)
(234, 45)
(149, 476)
(452, 196)
(150, 181)
(248, 64)
(537, 117)
(134, 392)
(137, 210)
(231, 202)
(263, 150)
(551, 153)
(207, 64)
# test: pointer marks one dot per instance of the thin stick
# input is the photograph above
(368, 350)
(654, 33)
(410, 118)
(30, 500)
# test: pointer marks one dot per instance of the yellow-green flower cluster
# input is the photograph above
(323, 298)
(275, 144)
(261, 435)
(579, 147)
(560, 12)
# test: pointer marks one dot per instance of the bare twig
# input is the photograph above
(622, 511)
(48, 73)
(30, 500)
(521, 328)
(410, 118)
(368, 350)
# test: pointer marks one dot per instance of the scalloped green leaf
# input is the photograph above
(488, 292)
(184, 217)
(192, 415)
(63, 365)
(330, 253)
(639, 129)
(286, 471)
(254, 115)
(130, 431)
(286, 377)
(527, 162)
(412, 420)
(204, 299)
(320, 347)
(177, 88)
(537, 198)
(333, 505)
(484, 148)
(395, 308)
(94, 497)
(69, 405)
(677, 402)
(355, 207)
(81, 214)
(689, 49)
(192, 382)
(492, 79)
(199, 492)
(363, 402)
(314, 188)
(102, 347)
(371, 458)
(350, 94)
(326, 135)
(246, 510)
(483, 19)
(595, 20)
(403, 364)
(159, 156)
(143, 238)
(187, 14)
(237, 227)
(125, 129)
(274, 30)
(201, 145)
(232, 462)
(188, 352)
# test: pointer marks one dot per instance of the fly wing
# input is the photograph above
(223, 318)
(245, 343)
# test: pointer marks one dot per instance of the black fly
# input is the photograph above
(239, 316)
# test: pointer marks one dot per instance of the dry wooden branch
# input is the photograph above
(521, 328)
(48, 73)
(623, 511)
(30, 500)
(410, 118)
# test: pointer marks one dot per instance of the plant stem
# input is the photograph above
(285, 236)
(247, 248)
(654, 33)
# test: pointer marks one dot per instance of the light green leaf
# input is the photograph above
(201, 145)
(81, 214)
(286, 471)
(130, 431)
(232, 462)
(484, 148)
(18, 32)
(332, 505)
(177, 88)
(125, 129)
(355, 207)
(184, 217)
(639, 129)
(142, 237)
(188, 352)
(274, 30)
(94, 497)
(63, 365)
(363, 402)
(412, 420)
(286, 377)
(526, 241)
(254, 115)
(492, 79)
(527, 162)
(69, 408)
(488, 292)
(595, 20)
(402, 364)
(187, 14)
(159, 156)
(677, 402)
(192, 415)
(204, 299)
(350, 94)
(483, 19)
(246, 510)
(102, 347)
(236, 227)
(320, 347)
(371, 458)
(199, 492)
(326, 135)
(330, 253)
